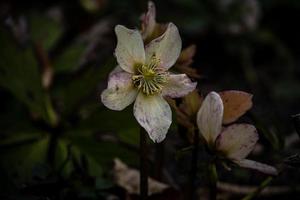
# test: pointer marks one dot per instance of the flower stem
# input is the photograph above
(194, 166)
(213, 178)
(159, 160)
(143, 165)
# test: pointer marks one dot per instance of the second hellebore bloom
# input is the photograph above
(234, 142)
(142, 76)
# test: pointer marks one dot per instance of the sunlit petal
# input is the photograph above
(130, 48)
(117, 69)
(154, 114)
(165, 48)
(120, 91)
(178, 85)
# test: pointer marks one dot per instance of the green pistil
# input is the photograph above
(149, 79)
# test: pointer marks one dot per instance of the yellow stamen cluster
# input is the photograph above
(149, 78)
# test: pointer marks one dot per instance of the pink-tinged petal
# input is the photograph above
(166, 48)
(148, 21)
(130, 48)
(117, 69)
(178, 85)
(120, 91)
(237, 141)
(263, 168)
(154, 114)
(209, 117)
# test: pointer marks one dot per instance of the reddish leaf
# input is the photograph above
(236, 103)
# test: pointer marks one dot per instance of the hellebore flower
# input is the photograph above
(142, 76)
(150, 30)
(234, 142)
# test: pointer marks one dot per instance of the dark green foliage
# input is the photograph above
(59, 141)
(20, 75)
(54, 135)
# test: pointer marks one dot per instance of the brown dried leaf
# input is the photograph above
(182, 117)
(191, 104)
(191, 72)
(185, 60)
(236, 103)
(129, 179)
(186, 55)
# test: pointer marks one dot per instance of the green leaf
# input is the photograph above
(103, 184)
(102, 152)
(270, 135)
(16, 139)
(63, 162)
(43, 29)
(92, 166)
(20, 154)
(70, 92)
(69, 59)
(20, 75)
(98, 118)
(104, 120)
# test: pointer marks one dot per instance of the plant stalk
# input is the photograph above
(194, 166)
(213, 179)
(143, 165)
(260, 188)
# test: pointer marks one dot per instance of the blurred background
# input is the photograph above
(57, 141)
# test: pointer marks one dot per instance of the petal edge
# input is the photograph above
(178, 85)
(154, 114)
(166, 48)
(237, 141)
(261, 167)
(130, 48)
(120, 91)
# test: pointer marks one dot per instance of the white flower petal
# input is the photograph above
(130, 48)
(251, 164)
(210, 116)
(166, 48)
(120, 91)
(154, 114)
(237, 141)
(117, 69)
(178, 85)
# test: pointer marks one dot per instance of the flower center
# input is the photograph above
(149, 78)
